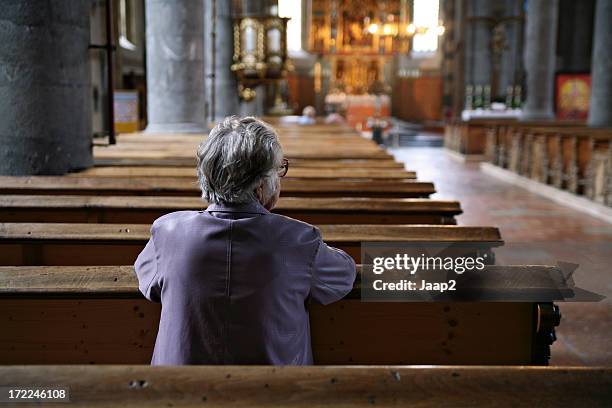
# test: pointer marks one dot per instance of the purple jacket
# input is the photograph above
(235, 282)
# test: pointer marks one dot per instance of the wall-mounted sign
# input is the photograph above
(573, 93)
(126, 111)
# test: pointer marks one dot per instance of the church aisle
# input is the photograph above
(536, 231)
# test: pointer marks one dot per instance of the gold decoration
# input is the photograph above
(246, 94)
(260, 52)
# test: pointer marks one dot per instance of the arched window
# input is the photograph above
(425, 15)
(293, 10)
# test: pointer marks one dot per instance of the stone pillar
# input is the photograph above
(45, 88)
(510, 67)
(256, 107)
(540, 46)
(478, 43)
(175, 66)
(600, 111)
(225, 93)
(459, 68)
(575, 35)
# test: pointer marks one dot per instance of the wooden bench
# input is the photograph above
(311, 163)
(111, 328)
(471, 137)
(468, 137)
(294, 173)
(117, 244)
(95, 314)
(260, 386)
(574, 158)
(144, 210)
(317, 143)
(312, 152)
(187, 187)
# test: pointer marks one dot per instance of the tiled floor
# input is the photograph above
(536, 231)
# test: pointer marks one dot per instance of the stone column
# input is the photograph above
(45, 88)
(540, 46)
(575, 35)
(256, 107)
(511, 62)
(225, 93)
(478, 43)
(175, 66)
(459, 68)
(600, 111)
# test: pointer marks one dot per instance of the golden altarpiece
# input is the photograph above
(357, 38)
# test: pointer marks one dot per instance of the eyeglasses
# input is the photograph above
(284, 168)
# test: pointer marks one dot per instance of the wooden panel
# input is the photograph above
(301, 91)
(123, 331)
(418, 99)
(118, 244)
(567, 155)
(252, 386)
(138, 210)
(338, 233)
(182, 186)
(466, 137)
(294, 173)
(297, 163)
(356, 332)
(63, 314)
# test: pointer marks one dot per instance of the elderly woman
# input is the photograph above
(235, 280)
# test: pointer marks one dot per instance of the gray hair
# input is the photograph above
(234, 159)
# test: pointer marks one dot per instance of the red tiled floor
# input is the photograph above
(536, 231)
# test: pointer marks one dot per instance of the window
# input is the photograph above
(293, 10)
(425, 16)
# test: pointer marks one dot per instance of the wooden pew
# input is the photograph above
(318, 143)
(81, 244)
(471, 137)
(312, 152)
(468, 137)
(574, 158)
(186, 187)
(95, 314)
(117, 244)
(311, 163)
(144, 210)
(261, 386)
(294, 173)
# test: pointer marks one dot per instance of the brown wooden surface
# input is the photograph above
(47, 330)
(331, 233)
(120, 281)
(295, 173)
(418, 99)
(134, 209)
(578, 131)
(313, 152)
(118, 244)
(64, 315)
(181, 186)
(307, 135)
(574, 158)
(310, 163)
(107, 330)
(96, 314)
(301, 90)
(253, 386)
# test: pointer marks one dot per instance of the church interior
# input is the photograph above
(473, 122)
